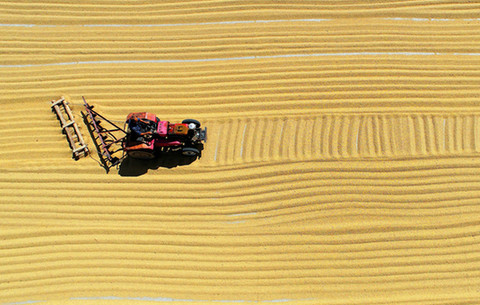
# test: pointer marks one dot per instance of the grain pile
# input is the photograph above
(342, 165)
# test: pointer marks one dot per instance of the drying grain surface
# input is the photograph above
(342, 164)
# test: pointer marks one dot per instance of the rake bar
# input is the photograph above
(105, 139)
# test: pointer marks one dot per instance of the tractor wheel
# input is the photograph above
(190, 152)
(142, 154)
(188, 121)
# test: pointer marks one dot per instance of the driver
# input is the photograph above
(141, 130)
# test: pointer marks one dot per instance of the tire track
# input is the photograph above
(348, 136)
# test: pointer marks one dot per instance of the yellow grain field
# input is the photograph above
(342, 164)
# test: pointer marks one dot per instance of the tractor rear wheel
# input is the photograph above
(142, 154)
(190, 152)
(189, 121)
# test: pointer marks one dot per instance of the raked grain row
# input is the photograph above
(60, 45)
(257, 195)
(245, 87)
(176, 12)
(322, 137)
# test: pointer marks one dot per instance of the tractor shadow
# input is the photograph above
(131, 167)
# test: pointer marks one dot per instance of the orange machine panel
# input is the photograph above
(140, 146)
(180, 129)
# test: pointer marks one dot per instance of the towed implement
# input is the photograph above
(70, 128)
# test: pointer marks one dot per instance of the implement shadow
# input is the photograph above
(131, 167)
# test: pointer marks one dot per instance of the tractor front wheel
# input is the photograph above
(190, 152)
(189, 121)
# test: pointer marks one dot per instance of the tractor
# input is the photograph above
(143, 136)
(147, 135)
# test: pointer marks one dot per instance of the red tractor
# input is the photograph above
(146, 136)
(143, 136)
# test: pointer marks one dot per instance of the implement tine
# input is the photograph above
(102, 135)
